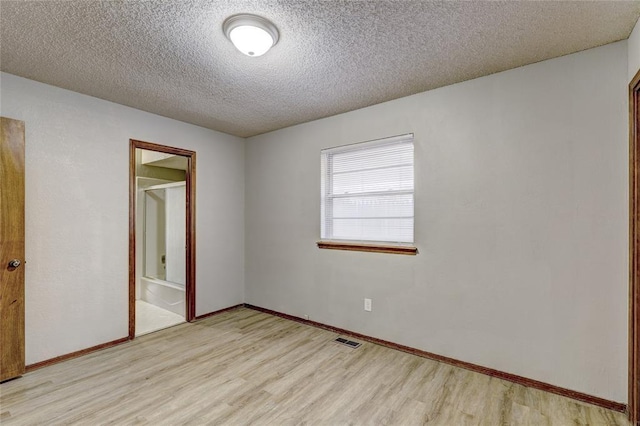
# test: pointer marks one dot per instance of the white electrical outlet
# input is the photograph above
(367, 305)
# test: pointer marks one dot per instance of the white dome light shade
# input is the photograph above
(251, 41)
(250, 34)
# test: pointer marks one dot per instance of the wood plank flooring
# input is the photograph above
(246, 367)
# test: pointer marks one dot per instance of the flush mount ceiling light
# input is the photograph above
(251, 34)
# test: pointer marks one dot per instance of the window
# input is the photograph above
(367, 191)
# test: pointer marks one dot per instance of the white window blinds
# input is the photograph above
(367, 191)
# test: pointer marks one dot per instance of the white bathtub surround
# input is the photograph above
(164, 294)
(176, 219)
(164, 234)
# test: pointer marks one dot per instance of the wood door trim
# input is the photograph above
(634, 250)
(524, 381)
(190, 286)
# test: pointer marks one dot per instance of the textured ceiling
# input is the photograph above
(171, 57)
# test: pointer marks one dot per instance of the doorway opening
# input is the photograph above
(161, 237)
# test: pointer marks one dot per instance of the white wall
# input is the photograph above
(634, 51)
(77, 172)
(521, 224)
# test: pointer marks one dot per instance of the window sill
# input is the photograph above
(375, 248)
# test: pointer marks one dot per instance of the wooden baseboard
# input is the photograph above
(106, 345)
(583, 397)
(210, 314)
(76, 354)
(590, 399)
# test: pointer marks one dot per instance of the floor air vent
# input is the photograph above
(349, 343)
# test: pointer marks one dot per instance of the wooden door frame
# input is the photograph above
(190, 285)
(634, 250)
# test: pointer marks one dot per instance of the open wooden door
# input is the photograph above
(11, 248)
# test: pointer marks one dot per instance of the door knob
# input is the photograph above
(14, 263)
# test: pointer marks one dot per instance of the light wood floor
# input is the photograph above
(247, 367)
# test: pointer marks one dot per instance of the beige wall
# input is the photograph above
(521, 224)
(633, 48)
(521, 213)
(77, 174)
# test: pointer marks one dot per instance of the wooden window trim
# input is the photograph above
(373, 248)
